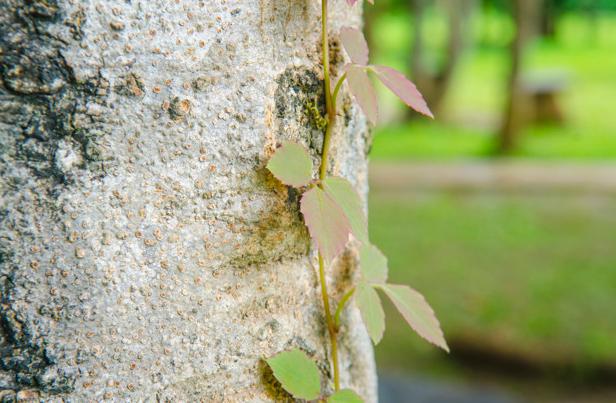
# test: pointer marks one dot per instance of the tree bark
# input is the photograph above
(145, 251)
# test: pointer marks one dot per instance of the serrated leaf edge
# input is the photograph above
(440, 333)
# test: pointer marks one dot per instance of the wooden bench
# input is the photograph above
(543, 89)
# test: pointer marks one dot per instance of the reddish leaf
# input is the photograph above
(361, 87)
(327, 223)
(355, 45)
(403, 88)
(344, 194)
(417, 313)
(291, 165)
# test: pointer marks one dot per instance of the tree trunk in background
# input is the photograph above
(434, 83)
(526, 15)
(371, 14)
(145, 251)
(548, 18)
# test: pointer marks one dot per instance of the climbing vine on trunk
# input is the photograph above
(333, 213)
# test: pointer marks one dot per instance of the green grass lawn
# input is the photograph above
(534, 274)
(471, 113)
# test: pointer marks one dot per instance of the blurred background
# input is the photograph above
(502, 211)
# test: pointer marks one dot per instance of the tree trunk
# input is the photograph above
(548, 19)
(526, 15)
(145, 251)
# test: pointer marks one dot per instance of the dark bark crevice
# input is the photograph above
(41, 98)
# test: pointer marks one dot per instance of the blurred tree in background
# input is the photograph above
(516, 252)
(438, 40)
(434, 78)
(526, 15)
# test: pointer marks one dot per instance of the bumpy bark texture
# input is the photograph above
(145, 251)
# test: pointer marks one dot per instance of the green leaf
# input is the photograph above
(297, 374)
(371, 310)
(346, 197)
(417, 313)
(291, 165)
(373, 264)
(327, 223)
(345, 396)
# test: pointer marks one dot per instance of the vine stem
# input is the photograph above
(325, 50)
(331, 327)
(330, 104)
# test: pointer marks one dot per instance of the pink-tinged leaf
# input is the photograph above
(291, 165)
(352, 2)
(361, 87)
(327, 223)
(344, 194)
(373, 264)
(403, 88)
(355, 45)
(417, 313)
(371, 310)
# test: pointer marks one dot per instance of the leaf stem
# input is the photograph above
(340, 308)
(337, 89)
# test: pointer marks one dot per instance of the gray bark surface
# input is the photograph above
(145, 251)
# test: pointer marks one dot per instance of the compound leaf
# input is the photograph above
(373, 264)
(297, 374)
(355, 45)
(363, 91)
(371, 310)
(345, 396)
(344, 194)
(417, 313)
(291, 165)
(326, 222)
(403, 88)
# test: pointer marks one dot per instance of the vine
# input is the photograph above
(333, 213)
